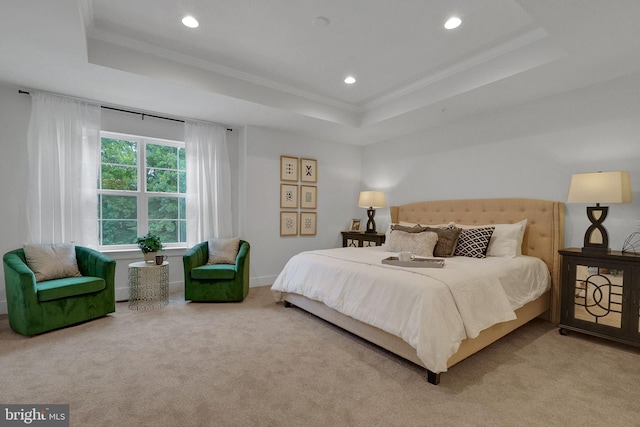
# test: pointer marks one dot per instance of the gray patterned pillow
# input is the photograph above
(473, 242)
(408, 229)
(447, 241)
(223, 251)
(51, 261)
(420, 244)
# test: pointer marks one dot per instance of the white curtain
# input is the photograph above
(63, 146)
(208, 182)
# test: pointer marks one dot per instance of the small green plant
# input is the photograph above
(149, 243)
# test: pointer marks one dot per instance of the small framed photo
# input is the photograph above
(288, 223)
(288, 196)
(308, 170)
(288, 168)
(308, 223)
(355, 225)
(308, 197)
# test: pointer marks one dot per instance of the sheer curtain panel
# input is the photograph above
(208, 182)
(63, 146)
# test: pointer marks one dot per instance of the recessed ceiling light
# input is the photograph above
(320, 21)
(350, 80)
(453, 22)
(190, 21)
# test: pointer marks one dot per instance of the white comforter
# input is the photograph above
(432, 309)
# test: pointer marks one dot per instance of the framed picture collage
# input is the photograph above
(298, 196)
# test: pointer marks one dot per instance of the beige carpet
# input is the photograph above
(260, 364)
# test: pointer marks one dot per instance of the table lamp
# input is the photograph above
(599, 187)
(371, 200)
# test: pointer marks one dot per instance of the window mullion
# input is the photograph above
(143, 200)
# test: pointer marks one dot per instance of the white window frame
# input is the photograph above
(141, 193)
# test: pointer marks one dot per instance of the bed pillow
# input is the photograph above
(411, 225)
(506, 240)
(447, 241)
(223, 251)
(474, 242)
(51, 261)
(420, 244)
(417, 228)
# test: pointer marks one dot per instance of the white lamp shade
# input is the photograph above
(600, 187)
(371, 199)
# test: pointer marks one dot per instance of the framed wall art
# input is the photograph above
(308, 197)
(308, 170)
(288, 196)
(288, 168)
(308, 223)
(288, 223)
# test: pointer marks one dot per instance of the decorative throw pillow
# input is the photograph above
(473, 242)
(447, 241)
(506, 240)
(51, 261)
(420, 244)
(413, 227)
(417, 228)
(223, 251)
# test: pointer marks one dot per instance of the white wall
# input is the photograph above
(528, 151)
(338, 188)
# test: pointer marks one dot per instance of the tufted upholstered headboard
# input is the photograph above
(543, 237)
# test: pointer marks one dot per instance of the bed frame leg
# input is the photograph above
(287, 304)
(433, 378)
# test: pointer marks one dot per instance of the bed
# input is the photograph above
(543, 237)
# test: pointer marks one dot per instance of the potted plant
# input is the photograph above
(149, 244)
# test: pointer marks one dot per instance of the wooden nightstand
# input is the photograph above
(359, 239)
(599, 294)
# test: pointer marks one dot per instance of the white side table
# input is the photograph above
(148, 285)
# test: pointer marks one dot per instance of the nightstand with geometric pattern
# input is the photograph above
(360, 239)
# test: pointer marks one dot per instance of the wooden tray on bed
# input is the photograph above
(416, 262)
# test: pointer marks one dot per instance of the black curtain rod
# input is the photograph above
(131, 112)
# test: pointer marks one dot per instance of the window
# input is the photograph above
(142, 188)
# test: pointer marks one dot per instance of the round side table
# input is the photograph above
(148, 285)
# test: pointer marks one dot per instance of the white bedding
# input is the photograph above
(432, 309)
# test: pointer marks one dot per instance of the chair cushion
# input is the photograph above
(68, 287)
(51, 261)
(223, 251)
(214, 271)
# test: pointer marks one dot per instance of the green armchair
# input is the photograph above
(216, 282)
(36, 307)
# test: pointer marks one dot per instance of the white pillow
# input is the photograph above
(223, 251)
(51, 261)
(506, 240)
(420, 244)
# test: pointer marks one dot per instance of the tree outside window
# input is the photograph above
(142, 188)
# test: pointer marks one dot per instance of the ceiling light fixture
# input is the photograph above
(350, 80)
(453, 22)
(320, 21)
(190, 21)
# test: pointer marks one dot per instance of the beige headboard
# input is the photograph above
(543, 237)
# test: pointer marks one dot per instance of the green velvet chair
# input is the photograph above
(216, 282)
(36, 307)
